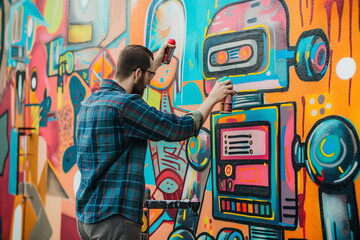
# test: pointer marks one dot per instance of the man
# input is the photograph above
(113, 127)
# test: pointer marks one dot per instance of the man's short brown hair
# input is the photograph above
(131, 58)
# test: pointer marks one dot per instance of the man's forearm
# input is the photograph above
(206, 107)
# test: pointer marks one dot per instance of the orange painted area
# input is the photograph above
(236, 118)
(30, 219)
(138, 14)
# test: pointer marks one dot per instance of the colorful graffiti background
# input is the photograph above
(283, 165)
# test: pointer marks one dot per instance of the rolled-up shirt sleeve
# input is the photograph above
(199, 120)
(145, 122)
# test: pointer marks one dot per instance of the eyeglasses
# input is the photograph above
(151, 73)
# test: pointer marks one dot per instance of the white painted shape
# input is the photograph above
(346, 68)
(41, 156)
(17, 223)
(76, 183)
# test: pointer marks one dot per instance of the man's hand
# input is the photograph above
(221, 89)
(159, 56)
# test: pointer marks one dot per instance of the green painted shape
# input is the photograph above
(53, 14)
(4, 146)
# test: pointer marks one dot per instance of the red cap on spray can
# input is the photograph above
(169, 51)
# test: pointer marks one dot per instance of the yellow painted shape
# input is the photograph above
(250, 208)
(176, 235)
(79, 33)
(42, 185)
(153, 98)
(32, 159)
(310, 163)
(35, 116)
(184, 215)
(144, 227)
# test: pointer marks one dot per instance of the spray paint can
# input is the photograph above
(145, 218)
(169, 51)
(226, 103)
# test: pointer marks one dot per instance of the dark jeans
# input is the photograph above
(113, 227)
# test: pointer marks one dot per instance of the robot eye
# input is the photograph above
(245, 52)
(238, 54)
(219, 58)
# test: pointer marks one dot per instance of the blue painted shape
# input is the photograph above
(205, 236)
(209, 182)
(262, 209)
(28, 9)
(191, 95)
(14, 163)
(267, 210)
(169, 186)
(181, 234)
(148, 170)
(230, 234)
(85, 76)
(333, 143)
(69, 158)
(45, 106)
(4, 146)
(34, 12)
(77, 94)
(329, 150)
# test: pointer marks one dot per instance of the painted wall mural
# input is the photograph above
(283, 165)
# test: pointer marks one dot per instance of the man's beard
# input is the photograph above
(139, 87)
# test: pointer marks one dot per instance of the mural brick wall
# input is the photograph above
(283, 165)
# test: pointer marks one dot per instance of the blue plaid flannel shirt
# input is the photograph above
(111, 133)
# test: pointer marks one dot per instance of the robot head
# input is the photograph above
(247, 42)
